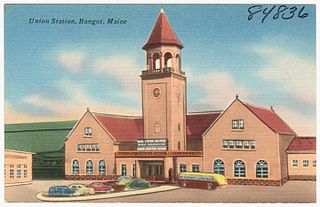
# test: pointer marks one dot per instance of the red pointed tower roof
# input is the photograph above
(162, 33)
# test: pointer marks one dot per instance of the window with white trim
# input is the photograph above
(238, 124)
(102, 167)
(246, 144)
(305, 163)
(231, 144)
(225, 144)
(183, 168)
(89, 167)
(294, 163)
(87, 131)
(25, 171)
(11, 171)
(238, 144)
(252, 144)
(75, 167)
(218, 167)
(314, 163)
(239, 169)
(123, 169)
(18, 171)
(262, 169)
(195, 168)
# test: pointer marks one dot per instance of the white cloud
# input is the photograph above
(289, 72)
(220, 88)
(300, 123)
(122, 68)
(72, 61)
(64, 109)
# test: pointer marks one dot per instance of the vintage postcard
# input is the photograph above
(160, 103)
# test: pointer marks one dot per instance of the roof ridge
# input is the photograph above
(260, 107)
(204, 112)
(117, 115)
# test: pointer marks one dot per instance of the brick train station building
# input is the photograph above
(246, 143)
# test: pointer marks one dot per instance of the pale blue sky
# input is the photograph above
(52, 72)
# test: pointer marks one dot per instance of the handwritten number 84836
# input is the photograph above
(282, 11)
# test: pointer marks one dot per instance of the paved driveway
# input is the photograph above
(291, 192)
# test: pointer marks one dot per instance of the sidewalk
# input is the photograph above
(41, 197)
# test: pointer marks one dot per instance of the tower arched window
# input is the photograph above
(155, 61)
(157, 127)
(262, 169)
(89, 167)
(102, 167)
(168, 60)
(218, 167)
(75, 167)
(178, 62)
(239, 169)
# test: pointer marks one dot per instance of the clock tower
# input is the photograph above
(164, 87)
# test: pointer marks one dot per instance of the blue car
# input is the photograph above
(62, 190)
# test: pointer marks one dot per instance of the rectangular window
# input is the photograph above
(87, 131)
(314, 163)
(79, 147)
(93, 147)
(231, 144)
(25, 173)
(97, 147)
(179, 127)
(134, 170)
(183, 168)
(252, 144)
(195, 168)
(305, 163)
(240, 124)
(294, 163)
(88, 147)
(225, 144)
(11, 171)
(123, 169)
(238, 144)
(18, 171)
(234, 124)
(246, 144)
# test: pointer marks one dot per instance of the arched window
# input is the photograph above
(89, 167)
(102, 167)
(178, 62)
(239, 169)
(157, 127)
(262, 169)
(168, 60)
(156, 61)
(75, 167)
(218, 167)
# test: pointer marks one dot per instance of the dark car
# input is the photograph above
(138, 184)
(101, 187)
(62, 190)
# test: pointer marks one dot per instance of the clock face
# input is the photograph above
(156, 92)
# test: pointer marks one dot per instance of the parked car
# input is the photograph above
(101, 187)
(82, 189)
(62, 190)
(124, 180)
(138, 184)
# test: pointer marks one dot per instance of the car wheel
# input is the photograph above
(211, 187)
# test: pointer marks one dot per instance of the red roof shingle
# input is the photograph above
(122, 128)
(197, 124)
(162, 33)
(303, 144)
(271, 119)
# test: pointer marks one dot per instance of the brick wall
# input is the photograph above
(91, 177)
(256, 182)
(303, 177)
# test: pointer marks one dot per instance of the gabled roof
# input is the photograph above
(305, 144)
(198, 123)
(122, 128)
(162, 33)
(271, 119)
